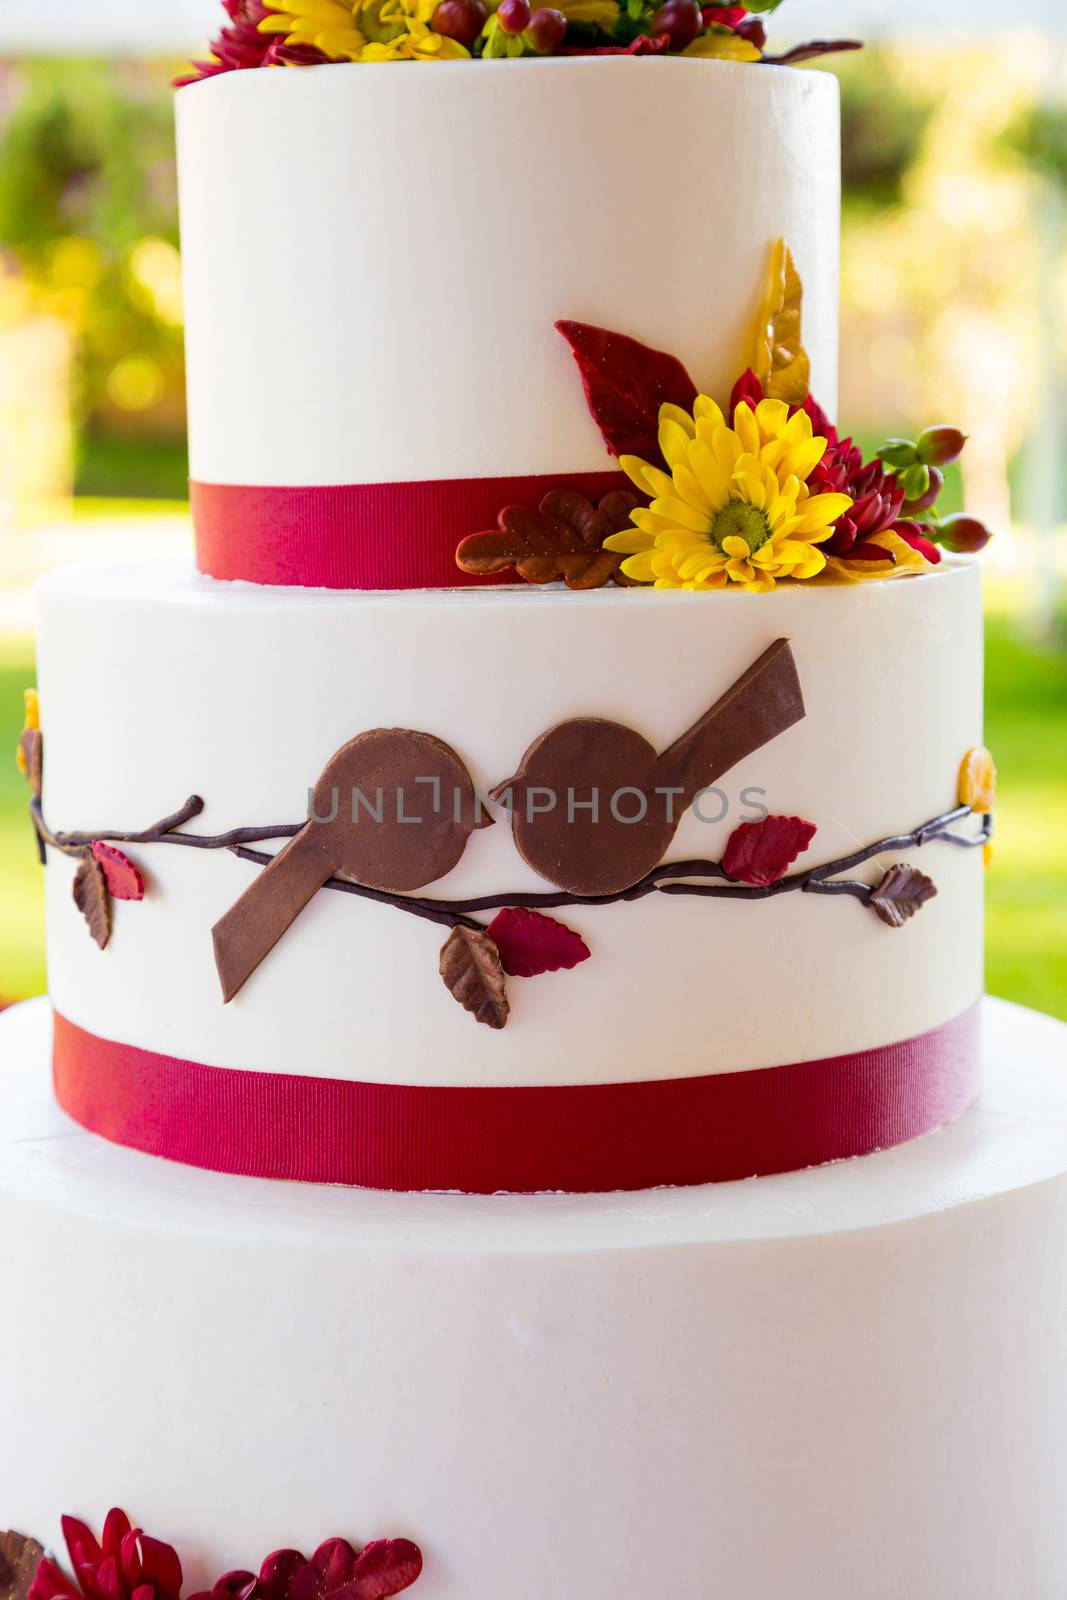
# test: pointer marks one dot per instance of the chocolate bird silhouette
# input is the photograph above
(605, 845)
(393, 810)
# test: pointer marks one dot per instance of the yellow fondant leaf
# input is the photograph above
(781, 363)
(31, 724)
(978, 781)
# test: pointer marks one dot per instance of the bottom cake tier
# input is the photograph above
(843, 1382)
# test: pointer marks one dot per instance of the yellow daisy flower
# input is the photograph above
(363, 30)
(734, 506)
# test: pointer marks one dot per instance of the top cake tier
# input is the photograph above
(375, 261)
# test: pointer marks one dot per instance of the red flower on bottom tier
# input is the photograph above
(126, 1564)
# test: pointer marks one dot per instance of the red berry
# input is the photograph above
(546, 30)
(963, 534)
(514, 15)
(462, 20)
(681, 20)
(938, 446)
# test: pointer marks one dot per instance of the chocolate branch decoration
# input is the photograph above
(522, 941)
(623, 801)
(377, 817)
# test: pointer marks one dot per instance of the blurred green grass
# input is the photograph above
(1027, 886)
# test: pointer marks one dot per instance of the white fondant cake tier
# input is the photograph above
(374, 261)
(842, 1382)
(242, 694)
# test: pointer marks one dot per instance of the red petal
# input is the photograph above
(117, 1525)
(124, 882)
(51, 1583)
(625, 384)
(747, 388)
(81, 1544)
(385, 1567)
(160, 1565)
(530, 943)
(763, 852)
(919, 542)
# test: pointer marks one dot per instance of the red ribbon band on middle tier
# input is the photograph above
(579, 1138)
(363, 536)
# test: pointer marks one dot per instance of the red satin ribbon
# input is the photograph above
(582, 1139)
(362, 536)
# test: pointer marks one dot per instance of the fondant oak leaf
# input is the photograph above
(123, 879)
(474, 975)
(91, 898)
(625, 383)
(762, 852)
(902, 892)
(20, 1557)
(530, 943)
(561, 539)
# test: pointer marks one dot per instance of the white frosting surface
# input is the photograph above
(374, 262)
(241, 694)
(780, 1387)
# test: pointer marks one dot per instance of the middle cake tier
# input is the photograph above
(158, 684)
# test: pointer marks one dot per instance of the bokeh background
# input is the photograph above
(954, 309)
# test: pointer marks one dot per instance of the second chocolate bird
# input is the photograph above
(594, 807)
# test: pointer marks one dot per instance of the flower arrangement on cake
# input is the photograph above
(761, 491)
(269, 33)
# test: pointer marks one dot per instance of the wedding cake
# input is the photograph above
(555, 796)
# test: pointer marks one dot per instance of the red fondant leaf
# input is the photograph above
(763, 852)
(625, 384)
(530, 943)
(91, 899)
(902, 892)
(123, 879)
(385, 1567)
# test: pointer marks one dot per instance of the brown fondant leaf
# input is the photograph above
(902, 892)
(92, 899)
(561, 539)
(20, 1556)
(473, 975)
(31, 751)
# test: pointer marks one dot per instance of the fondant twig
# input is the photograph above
(670, 877)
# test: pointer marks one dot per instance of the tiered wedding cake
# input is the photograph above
(628, 847)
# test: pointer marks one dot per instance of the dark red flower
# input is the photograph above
(335, 1572)
(125, 1564)
(240, 45)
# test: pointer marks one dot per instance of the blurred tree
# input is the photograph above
(88, 216)
(884, 118)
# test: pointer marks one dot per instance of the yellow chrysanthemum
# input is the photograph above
(735, 506)
(722, 44)
(32, 721)
(363, 30)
